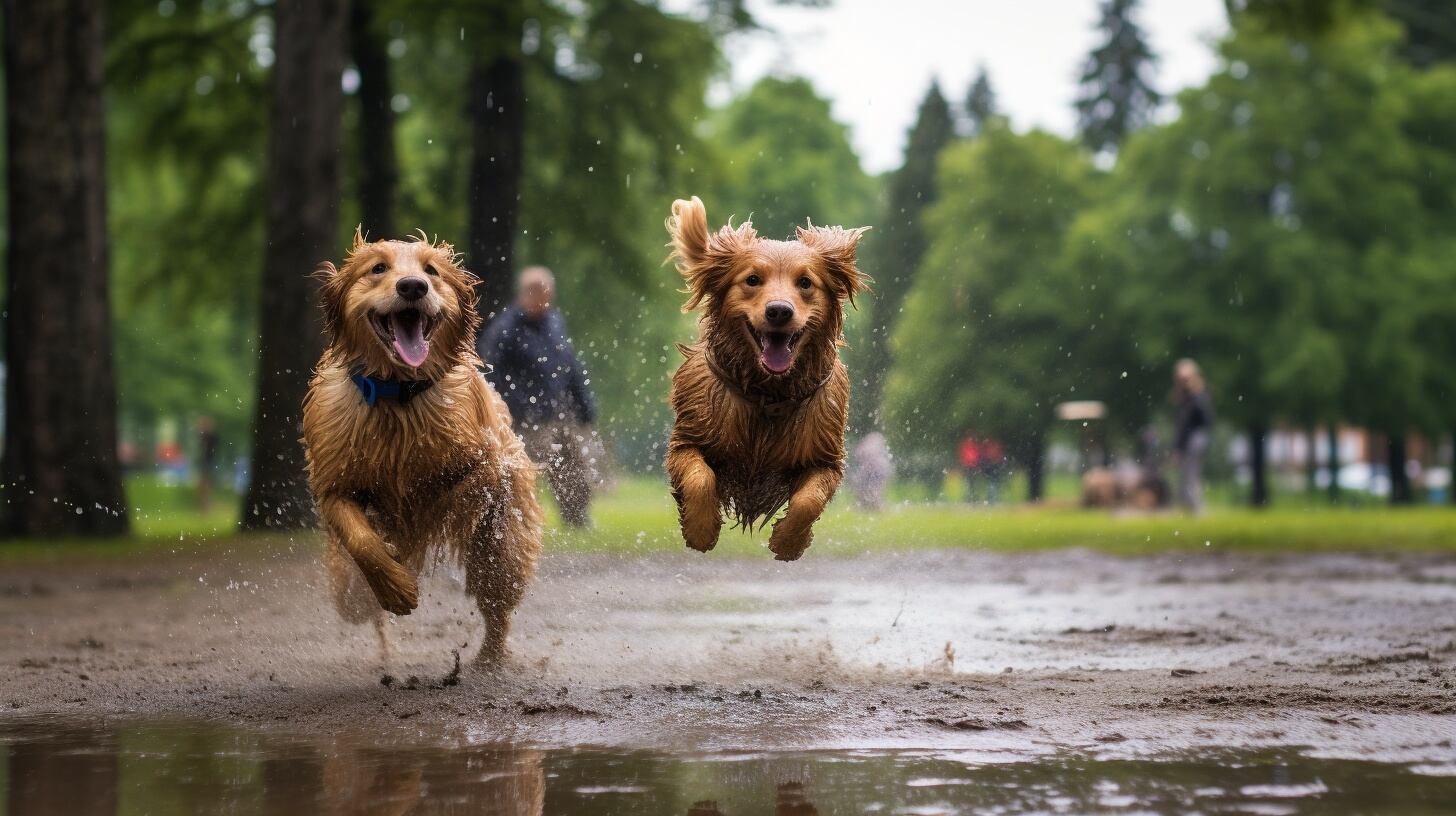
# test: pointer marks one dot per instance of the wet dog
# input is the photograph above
(762, 398)
(411, 453)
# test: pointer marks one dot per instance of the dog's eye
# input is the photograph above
(805, 283)
(430, 270)
(753, 280)
(380, 268)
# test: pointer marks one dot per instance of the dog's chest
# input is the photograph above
(402, 451)
(758, 462)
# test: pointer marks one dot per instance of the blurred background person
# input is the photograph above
(207, 443)
(1192, 420)
(993, 467)
(537, 372)
(970, 460)
(870, 471)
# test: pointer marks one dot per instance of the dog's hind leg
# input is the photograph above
(793, 533)
(500, 561)
(695, 486)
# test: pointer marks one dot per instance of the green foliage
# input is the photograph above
(186, 131)
(996, 329)
(783, 158)
(1117, 94)
(894, 252)
(1278, 205)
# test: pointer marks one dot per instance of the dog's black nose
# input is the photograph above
(412, 288)
(778, 312)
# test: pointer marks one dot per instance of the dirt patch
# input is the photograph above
(1351, 655)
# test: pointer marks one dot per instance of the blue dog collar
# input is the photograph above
(374, 389)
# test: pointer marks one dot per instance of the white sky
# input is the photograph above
(875, 58)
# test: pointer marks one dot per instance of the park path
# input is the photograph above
(1027, 654)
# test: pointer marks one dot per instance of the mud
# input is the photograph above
(1025, 655)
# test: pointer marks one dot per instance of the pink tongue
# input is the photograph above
(409, 339)
(776, 355)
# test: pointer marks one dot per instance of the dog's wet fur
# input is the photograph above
(440, 476)
(769, 335)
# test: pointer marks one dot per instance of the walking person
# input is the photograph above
(537, 373)
(970, 461)
(1192, 421)
(870, 471)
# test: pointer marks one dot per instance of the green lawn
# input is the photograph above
(637, 516)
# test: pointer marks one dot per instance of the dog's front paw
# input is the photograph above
(788, 543)
(700, 530)
(396, 589)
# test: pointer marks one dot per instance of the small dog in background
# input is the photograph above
(410, 451)
(762, 398)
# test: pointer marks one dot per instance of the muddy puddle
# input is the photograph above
(183, 767)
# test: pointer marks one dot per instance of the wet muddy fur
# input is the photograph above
(439, 475)
(751, 435)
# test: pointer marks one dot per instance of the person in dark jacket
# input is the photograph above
(537, 373)
(1192, 422)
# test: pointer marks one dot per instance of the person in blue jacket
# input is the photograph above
(536, 371)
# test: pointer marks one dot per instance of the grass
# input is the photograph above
(638, 516)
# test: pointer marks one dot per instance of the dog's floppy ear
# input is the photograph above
(688, 226)
(837, 246)
(704, 260)
(331, 296)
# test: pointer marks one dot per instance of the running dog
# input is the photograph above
(410, 452)
(762, 398)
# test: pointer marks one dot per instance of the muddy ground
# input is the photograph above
(1018, 654)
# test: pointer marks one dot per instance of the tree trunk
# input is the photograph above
(378, 163)
(1259, 488)
(498, 122)
(1334, 463)
(1400, 486)
(1035, 470)
(302, 230)
(61, 469)
(1451, 483)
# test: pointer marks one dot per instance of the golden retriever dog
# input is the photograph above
(410, 451)
(762, 397)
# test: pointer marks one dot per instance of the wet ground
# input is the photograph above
(185, 768)
(917, 683)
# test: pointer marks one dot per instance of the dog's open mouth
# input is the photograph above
(407, 331)
(776, 349)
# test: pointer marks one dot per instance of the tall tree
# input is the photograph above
(378, 168)
(61, 469)
(302, 229)
(787, 159)
(1263, 233)
(1116, 95)
(997, 329)
(980, 103)
(896, 250)
(497, 111)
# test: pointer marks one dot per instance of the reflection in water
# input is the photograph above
(181, 768)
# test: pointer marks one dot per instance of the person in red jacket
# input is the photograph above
(970, 460)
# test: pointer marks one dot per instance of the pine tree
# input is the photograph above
(980, 103)
(898, 246)
(1116, 95)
